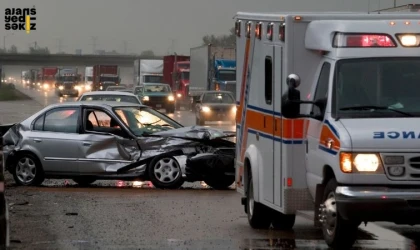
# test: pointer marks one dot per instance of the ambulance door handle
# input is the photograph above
(264, 121)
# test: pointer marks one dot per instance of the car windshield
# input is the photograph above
(157, 88)
(377, 87)
(143, 120)
(218, 98)
(113, 98)
(153, 78)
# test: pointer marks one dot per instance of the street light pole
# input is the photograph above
(4, 41)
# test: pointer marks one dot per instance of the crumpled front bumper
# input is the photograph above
(364, 203)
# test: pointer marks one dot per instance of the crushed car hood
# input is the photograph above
(195, 132)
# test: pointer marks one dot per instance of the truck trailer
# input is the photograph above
(48, 77)
(148, 71)
(105, 76)
(212, 68)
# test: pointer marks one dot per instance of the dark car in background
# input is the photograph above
(158, 96)
(215, 106)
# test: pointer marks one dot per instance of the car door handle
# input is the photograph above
(37, 140)
(87, 144)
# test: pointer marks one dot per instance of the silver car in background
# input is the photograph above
(115, 96)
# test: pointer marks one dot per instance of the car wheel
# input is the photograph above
(259, 216)
(338, 233)
(84, 181)
(178, 106)
(171, 109)
(221, 183)
(165, 172)
(27, 170)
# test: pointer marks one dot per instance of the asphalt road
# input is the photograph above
(126, 215)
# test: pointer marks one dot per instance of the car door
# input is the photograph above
(55, 137)
(104, 148)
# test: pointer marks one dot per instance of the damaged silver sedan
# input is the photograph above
(89, 141)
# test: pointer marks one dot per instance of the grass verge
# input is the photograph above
(8, 92)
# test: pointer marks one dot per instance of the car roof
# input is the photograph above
(104, 104)
(217, 92)
(108, 93)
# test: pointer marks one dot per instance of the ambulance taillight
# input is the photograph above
(258, 30)
(238, 28)
(248, 29)
(409, 40)
(354, 40)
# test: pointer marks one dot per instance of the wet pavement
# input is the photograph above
(135, 215)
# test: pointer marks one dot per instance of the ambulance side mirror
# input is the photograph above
(291, 99)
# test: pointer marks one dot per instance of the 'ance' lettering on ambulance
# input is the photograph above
(396, 135)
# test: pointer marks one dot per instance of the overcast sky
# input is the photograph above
(159, 25)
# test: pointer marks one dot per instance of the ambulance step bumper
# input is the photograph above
(363, 203)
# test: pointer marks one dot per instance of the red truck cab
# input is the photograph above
(48, 77)
(176, 73)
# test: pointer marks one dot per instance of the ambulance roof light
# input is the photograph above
(282, 31)
(258, 30)
(363, 40)
(270, 28)
(248, 29)
(409, 40)
(238, 28)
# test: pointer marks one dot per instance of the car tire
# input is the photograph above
(84, 181)
(178, 106)
(27, 164)
(259, 216)
(165, 172)
(222, 183)
(343, 234)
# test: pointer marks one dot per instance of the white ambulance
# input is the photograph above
(328, 119)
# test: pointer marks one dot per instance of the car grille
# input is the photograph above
(68, 86)
(411, 166)
(157, 99)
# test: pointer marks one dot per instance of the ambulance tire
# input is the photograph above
(259, 216)
(344, 233)
(283, 221)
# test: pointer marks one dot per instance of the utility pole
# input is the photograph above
(59, 45)
(125, 47)
(395, 3)
(94, 43)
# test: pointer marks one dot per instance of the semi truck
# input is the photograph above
(34, 79)
(322, 123)
(88, 78)
(67, 82)
(48, 77)
(25, 77)
(212, 68)
(176, 73)
(148, 71)
(105, 76)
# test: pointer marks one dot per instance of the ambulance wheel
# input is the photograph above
(338, 233)
(259, 216)
(283, 221)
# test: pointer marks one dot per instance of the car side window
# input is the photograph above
(100, 121)
(39, 123)
(62, 120)
(321, 91)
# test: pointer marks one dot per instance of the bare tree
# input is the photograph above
(147, 53)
